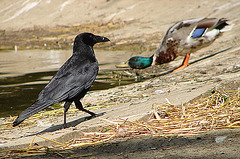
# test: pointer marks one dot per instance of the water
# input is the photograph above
(24, 74)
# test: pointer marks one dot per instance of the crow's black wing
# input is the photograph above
(72, 78)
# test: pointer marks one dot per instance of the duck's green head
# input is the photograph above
(138, 62)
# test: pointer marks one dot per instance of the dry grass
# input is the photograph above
(219, 110)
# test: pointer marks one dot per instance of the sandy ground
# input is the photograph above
(141, 19)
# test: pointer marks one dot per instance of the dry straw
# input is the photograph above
(219, 110)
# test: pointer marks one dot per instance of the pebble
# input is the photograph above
(220, 139)
(159, 91)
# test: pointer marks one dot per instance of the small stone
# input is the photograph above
(153, 148)
(159, 91)
(220, 139)
(203, 72)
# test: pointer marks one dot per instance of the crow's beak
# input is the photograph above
(101, 39)
(105, 39)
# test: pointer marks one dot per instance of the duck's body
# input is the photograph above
(185, 37)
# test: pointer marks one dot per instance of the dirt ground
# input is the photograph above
(202, 146)
(133, 26)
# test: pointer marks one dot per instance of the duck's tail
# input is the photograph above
(224, 27)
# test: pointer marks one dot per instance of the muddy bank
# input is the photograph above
(130, 102)
(214, 144)
(201, 146)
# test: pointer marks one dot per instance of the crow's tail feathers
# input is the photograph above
(33, 109)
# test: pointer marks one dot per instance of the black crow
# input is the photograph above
(72, 81)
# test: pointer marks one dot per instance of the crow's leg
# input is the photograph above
(66, 107)
(80, 107)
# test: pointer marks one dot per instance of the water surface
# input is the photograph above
(24, 74)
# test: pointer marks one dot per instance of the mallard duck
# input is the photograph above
(182, 38)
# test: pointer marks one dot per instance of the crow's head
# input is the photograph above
(90, 39)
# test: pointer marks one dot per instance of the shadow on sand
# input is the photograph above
(69, 124)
